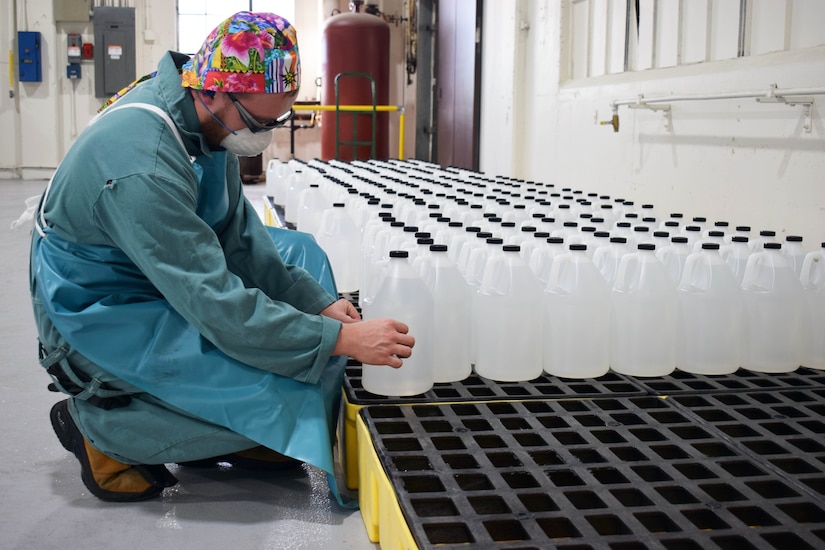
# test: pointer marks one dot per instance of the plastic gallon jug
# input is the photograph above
(281, 173)
(765, 236)
(341, 240)
(794, 253)
(772, 327)
(541, 261)
(813, 290)
(643, 316)
(272, 177)
(576, 318)
(507, 312)
(311, 206)
(607, 258)
(736, 255)
(451, 315)
(296, 182)
(403, 296)
(708, 335)
(674, 256)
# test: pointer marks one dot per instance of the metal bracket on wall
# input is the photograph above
(788, 96)
(807, 104)
(663, 107)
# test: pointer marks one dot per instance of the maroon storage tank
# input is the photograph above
(355, 43)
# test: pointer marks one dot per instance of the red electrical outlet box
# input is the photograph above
(88, 50)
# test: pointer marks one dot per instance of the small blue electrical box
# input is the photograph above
(73, 71)
(28, 54)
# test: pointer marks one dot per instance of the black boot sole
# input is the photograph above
(72, 440)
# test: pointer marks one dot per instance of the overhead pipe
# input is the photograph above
(790, 96)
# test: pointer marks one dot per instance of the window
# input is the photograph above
(614, 36)
(197, 18)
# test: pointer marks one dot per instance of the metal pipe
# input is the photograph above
(770, 92)
(772, 95)
(379, 108)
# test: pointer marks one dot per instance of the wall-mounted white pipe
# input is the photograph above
(769, 93)
(791, 96)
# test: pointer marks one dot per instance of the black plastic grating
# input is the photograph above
(477, 388)
(630, 472)
(784, 429)
(743, 380)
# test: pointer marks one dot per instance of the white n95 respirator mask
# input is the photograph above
(246, 144)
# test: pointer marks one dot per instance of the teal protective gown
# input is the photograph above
(155, 277)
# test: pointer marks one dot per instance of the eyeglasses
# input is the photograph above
(255, 126)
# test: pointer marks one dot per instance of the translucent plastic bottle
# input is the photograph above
(643, 316)
(708, 335)
(765, 236)
(693, 233)
(794, 253)
(272, 176)
(341, 240)
(311, 206)
(508, 316)
(607, 258)
(374, 257)
(296, 182)
(541, 261)
(576, 318)
(451, 315)
(772, 329)
(280, 184)
(403, 296)
(674, 256)
(736, 255)
(812, 278)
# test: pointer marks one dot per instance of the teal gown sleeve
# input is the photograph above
(257, 324)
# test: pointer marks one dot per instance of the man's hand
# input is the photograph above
(342, 310)
(375, 342)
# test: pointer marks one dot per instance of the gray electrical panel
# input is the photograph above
(114, 49)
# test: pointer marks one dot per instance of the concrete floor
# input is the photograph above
(43, 503)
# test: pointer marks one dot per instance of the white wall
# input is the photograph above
(735, 160)
(47, 116)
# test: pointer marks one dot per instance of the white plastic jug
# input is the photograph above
(507, 312)
(674, 256)
(643, 316)
(607, 258)
(541, 261)
(451, 315)
(311, 206)
(341, 240)
(295, 183)
(282, 171)
(794, 252)
(813, 289)
(772, 329)
(576, 318)
(736, 255)
(403, 296)
(272, 177)
(708, 334)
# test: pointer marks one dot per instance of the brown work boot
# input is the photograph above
(106, 478)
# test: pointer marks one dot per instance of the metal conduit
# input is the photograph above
(789, 96)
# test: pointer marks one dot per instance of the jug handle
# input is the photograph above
(754, 261)
(621, 272)
(556, 274)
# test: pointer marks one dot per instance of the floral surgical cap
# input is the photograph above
(249, 52)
